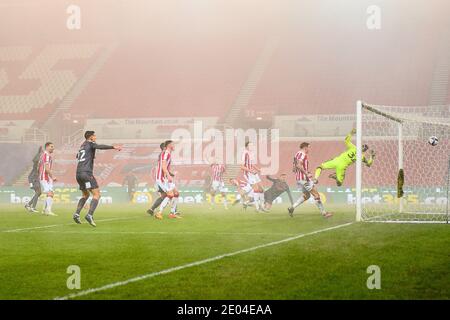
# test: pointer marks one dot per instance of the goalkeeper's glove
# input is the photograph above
(372, 153)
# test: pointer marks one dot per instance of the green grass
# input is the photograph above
(414, 259)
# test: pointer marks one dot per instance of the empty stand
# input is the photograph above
(43, 82)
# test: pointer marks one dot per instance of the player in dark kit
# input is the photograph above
(279, 186)
(85, 175)
(33, 180)
(131, 181)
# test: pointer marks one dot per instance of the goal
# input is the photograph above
(409, 179)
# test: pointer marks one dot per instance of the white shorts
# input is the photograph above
(253, 178)
(46, 186)
(247, 188)
(218, 186)
(170, 186)
(305, 186)
(161, 186)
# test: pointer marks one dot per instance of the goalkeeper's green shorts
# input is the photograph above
(338, 166)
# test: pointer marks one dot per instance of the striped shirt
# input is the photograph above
(302, 159)
(247, 160)
(159, 173)
(242, 183)
(217, 172)
(46, 159)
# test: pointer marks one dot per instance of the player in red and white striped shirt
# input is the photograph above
(46, 177)
(162, 193)
(244, 189)
(301, 158)
(217, 184)
(305, 181)
(251, 173)
(162, 169)
(165, 181)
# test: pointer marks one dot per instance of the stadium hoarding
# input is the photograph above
(139, 128)
(190, 196)
(314, 126)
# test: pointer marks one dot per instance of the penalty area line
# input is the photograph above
(197, 263)
(64, 224)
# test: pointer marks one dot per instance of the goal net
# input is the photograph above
(409, 178)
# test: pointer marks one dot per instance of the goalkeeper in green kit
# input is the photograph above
(344, 160)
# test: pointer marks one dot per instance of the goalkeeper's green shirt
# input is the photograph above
(348, 157)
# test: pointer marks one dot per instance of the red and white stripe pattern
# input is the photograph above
(217, 172)
(242, 183)
(46, 159)
(302, 159)
(247, 160)
(159, 174)
(239, 182)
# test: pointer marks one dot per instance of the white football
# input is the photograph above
(433, 140)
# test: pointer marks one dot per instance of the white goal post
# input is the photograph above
(409, 179)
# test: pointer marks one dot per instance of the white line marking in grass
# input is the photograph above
(64, 224)
(34, 228)
(165, 232)
(193, 264)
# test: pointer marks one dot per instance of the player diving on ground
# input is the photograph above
(279, 186)
(344, 160)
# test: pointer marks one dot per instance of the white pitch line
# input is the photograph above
(63, 224)
(193, 264)
(34, 228)
(166, 232)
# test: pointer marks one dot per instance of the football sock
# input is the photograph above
(93, 206)
(34, 200)
(225, 203)
(157, 203)
(30, 203)
(261, 199)
(164, 204)
(298, 202)
(174, 204)
(256, 200)
(81, 204)
(319, 205)
(48, 204)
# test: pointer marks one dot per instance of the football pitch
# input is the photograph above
(218, 254)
